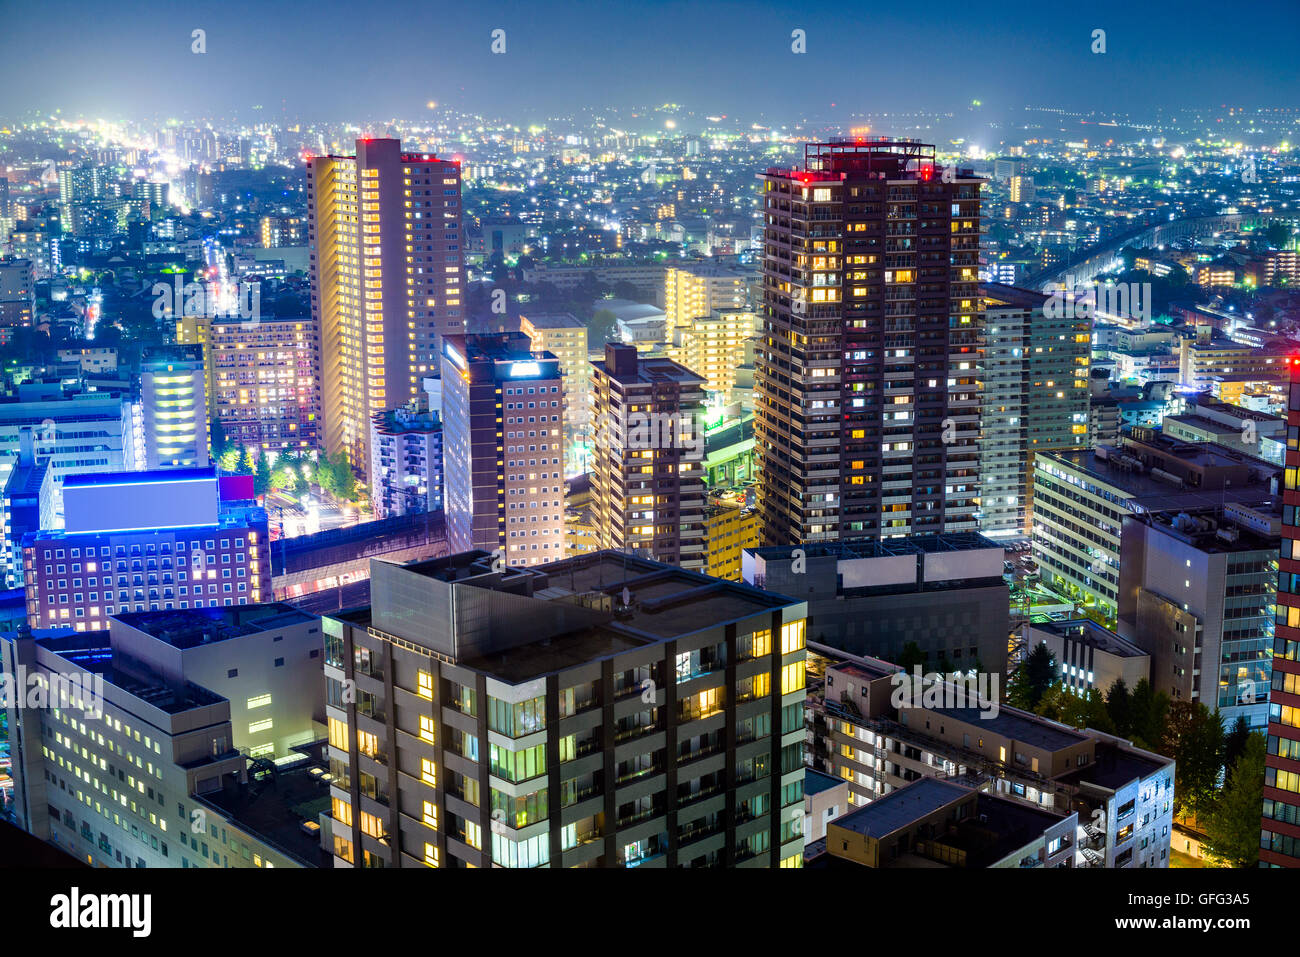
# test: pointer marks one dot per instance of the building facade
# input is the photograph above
(384, 230)
(603, 711)
(503, 455)
(867, 405)
(648, 470)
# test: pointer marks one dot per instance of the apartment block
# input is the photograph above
(866, 382)
(602, 711)
(387, 268)
(1279, 841)
(862, 730)
(503, 454)
(406, 461)
(1081, 498)
(564, 336)
(713, 346)
(17, 297)
(263, 378)
(696, 290)
(1198, 592)
(1034, 373)
(648, 470)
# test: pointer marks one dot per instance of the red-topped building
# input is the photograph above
(1279, 844)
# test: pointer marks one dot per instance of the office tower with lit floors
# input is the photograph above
(1279, 842)
(384, 233)
(647, 476)
(867, 404)
(602, 711)
(173, 407)
(503, 447)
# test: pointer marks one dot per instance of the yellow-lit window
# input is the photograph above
(425, 685)
(367, 744)
(792, 636)
(338, 734)
(431, 814)
(428, 773)
(430, 855)
(371, 825)
(343, 812)
(762, 643)
(792, 678)
(426, 728)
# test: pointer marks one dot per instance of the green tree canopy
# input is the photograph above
(1232, 820)
(1031, 680)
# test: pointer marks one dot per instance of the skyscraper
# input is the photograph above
(867, 407)
(503, 447)
(648, 469)
(387, 278)
(1033, 398)
(1279, 844)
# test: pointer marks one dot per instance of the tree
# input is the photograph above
(221, 443)
(1234, 742)
(1193, 736)
(1119, 707)
(1232, 821)
(1147, 715)
(602, 328)
(262, 475)
(247, 464)
(910, 657)
(1032, 679)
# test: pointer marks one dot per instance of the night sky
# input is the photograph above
(333, 60)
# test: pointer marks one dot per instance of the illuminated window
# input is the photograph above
(425, 684)
(430, 855)
(431, 814)
(426, 728)
(428, 773)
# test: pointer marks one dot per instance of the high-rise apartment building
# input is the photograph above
(263, 378)
(1033, 398)
(564, 336)
(867, 405)
(714, 346)
(173, 407)
(694, 290)
(648, 466)
(1279, 844)
(387, 281)
(503, 447)
(603, 711)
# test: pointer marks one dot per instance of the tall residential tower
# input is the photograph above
(867, 410)
(387, 280)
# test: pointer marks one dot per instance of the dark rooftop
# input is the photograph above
(1018, 726)
(898, 809)
(189, 628)
(1113, 767)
